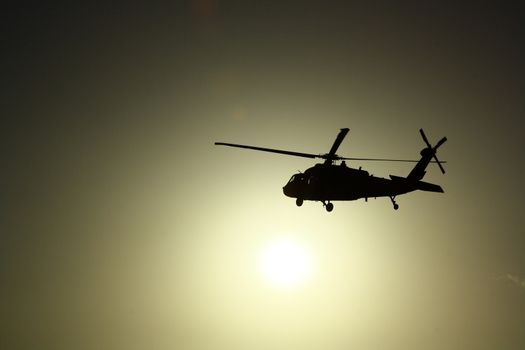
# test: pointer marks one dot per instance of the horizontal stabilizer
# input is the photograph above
(426, 186)
(420, 185)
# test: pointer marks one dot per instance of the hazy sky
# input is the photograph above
(123, 227)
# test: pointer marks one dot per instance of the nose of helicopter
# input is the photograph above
(286, 190)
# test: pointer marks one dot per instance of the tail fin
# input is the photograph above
(426, 157)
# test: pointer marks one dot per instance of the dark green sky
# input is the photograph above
(122, 226)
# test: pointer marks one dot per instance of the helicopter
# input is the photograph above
(332, 181)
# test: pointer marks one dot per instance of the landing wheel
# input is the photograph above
(393, 199)
(329, 207)
(299, 202)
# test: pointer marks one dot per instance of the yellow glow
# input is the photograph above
(286, 263)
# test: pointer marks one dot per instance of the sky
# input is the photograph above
(123, 226)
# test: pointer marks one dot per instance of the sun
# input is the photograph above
(285, 263)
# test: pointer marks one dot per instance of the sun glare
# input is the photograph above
(285, 263)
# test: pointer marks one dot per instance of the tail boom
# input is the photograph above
(417, 184)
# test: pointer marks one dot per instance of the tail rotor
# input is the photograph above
(434, 149)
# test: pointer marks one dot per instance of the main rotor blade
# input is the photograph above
(340, 137)
(289, 153)
(385, 160)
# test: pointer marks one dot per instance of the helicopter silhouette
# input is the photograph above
(328, 181)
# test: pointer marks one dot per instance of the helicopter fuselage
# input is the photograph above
(330, 182)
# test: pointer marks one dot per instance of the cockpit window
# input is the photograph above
(296, 178)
